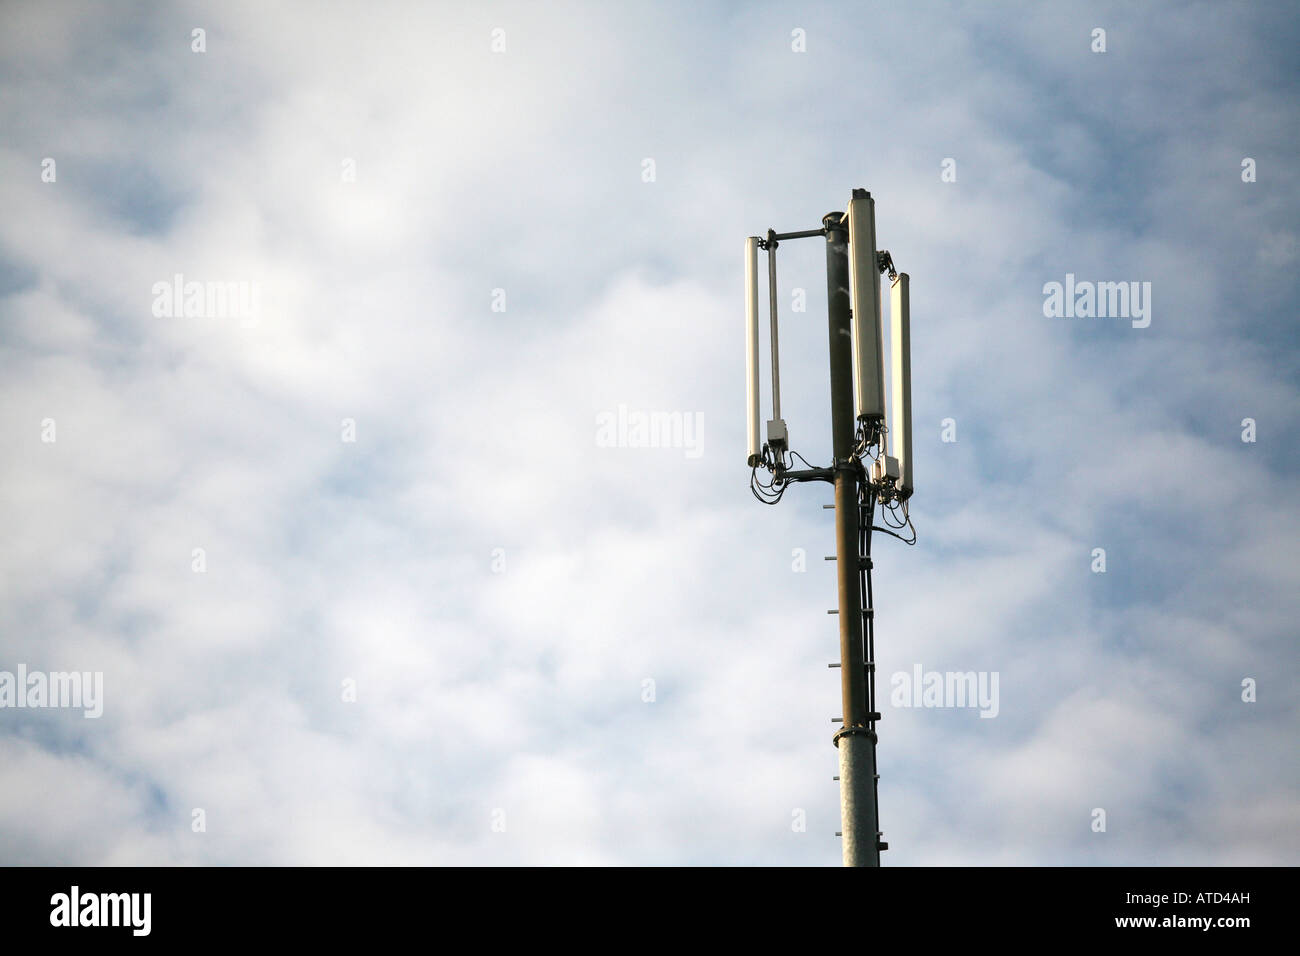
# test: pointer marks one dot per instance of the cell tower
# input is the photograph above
(865, 472)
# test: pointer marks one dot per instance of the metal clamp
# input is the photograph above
(852, 732)
(885, 262)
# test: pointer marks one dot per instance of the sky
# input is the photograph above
(365, 581)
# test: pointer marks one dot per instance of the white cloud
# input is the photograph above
(522, 690)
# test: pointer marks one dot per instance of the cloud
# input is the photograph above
(498, 587)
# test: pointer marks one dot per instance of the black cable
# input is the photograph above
(890, 516)
(769, 493)
(865, 527)
(795, 454)
(894, 534)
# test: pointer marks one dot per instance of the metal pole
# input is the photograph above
(771, 301)
(856, 740)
